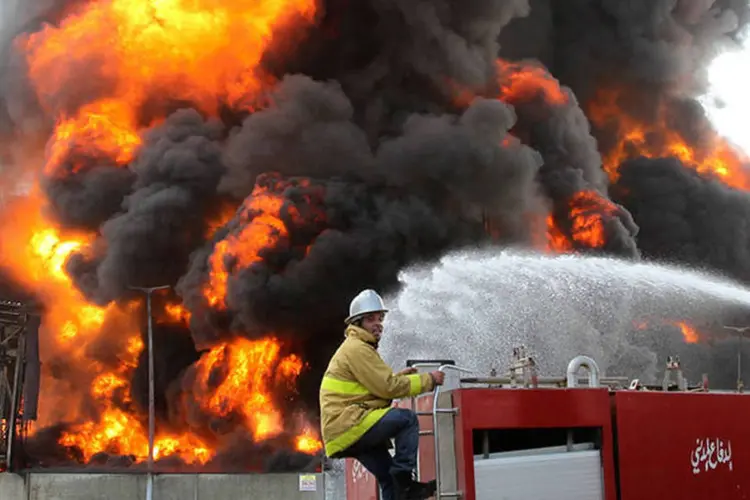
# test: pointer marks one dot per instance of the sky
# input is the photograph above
(728, 99)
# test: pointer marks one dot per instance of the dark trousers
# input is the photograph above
(372, 448)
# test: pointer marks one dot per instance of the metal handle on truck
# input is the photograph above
(423, 363)
(435, 434)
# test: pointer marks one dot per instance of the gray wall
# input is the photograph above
(77, 486)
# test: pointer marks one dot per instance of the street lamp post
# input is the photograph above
(740, 333)
(151, 418)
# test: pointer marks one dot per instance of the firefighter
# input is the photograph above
(356, 393)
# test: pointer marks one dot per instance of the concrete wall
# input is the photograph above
(11, 487)
(78, 486)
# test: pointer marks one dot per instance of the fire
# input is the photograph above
(201, 51)
(121, 433)
(106, 384)
(689, 332)
(524, 82)
(587, 209)
(120, 56)
(249, 371)
(308, 442)
(264, 230)
(714, 157)
(120, 427)
(177, 313)
(556, 239)
(106, 128)
(516, 82)
(52, 253)
(36, 253)
(219, 220)
(586, 215)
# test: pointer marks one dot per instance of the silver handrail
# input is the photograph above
(428, 365)
(582, 362)
(414, 406)
(435, 434)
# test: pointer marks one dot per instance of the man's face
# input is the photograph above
(373, 323)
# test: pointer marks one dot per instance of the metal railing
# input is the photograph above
(453, 411)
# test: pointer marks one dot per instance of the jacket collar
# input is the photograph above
(358, 333)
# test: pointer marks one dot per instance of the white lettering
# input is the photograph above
(358, 471)
(710, 453)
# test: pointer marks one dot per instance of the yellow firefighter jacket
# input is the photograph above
(358, 388)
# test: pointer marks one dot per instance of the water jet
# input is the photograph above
(474, 306)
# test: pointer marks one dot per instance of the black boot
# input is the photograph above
(409, 489)
(421, 491)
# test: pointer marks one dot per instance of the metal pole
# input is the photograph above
(16, 396)
(151, 417)
(740, 333)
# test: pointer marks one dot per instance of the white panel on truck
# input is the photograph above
(571, 475)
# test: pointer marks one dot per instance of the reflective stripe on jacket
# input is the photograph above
(358, 388)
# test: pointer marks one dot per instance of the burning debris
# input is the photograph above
(268, 159)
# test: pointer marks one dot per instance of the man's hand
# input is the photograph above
(438, 377)
(407, 371)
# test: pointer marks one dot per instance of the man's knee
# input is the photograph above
(408, 417)
(413, 420)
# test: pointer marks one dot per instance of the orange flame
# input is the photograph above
(225, 214)
(105, 128)
(516, 82)
(524, 82)
(689, 333)
(121, 433)
(176, 313)
(249, 371)
(308, 442)
(37, 252)
(587, 213)
(714, 157)
(202, 51)
(243, 249)
(556, 240)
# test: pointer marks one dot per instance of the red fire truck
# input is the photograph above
(525, 437)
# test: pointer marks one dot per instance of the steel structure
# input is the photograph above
(19, 326)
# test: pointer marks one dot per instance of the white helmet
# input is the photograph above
(367, 301)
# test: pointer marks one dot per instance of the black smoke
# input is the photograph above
(657, 52)
(660, 46)
(686, 218)
(364, 214)
(163, 217)
(560, 132)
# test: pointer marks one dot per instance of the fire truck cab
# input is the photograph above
(523, 437)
